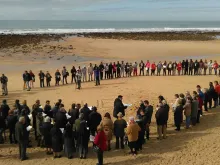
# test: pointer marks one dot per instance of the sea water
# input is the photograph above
(71, 26)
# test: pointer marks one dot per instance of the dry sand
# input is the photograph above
(198, 145)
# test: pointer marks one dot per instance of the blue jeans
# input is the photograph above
(188, 121)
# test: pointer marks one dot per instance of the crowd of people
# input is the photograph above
(57, 129)
(121, 69)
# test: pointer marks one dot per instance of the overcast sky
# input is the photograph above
(110, 10)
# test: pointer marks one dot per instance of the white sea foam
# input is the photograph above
(110, 30)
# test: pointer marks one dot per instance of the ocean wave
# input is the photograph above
(108, 30)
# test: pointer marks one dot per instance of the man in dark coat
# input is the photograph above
(61, 119)
(86, 111)
(148, 113)
(119, 106)
(12, 120)
(2, 128)
(4, 109)
(22, 137)
(119, 130)
(55, 109)
(47, 109)
(94, 120)
(178, 115)
(35, 110)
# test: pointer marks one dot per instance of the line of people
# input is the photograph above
(122, 69)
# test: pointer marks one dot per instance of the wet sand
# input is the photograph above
(198, 145)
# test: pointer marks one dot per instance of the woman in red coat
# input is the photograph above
(114, 70)
(101, 142)
(179, 67)
(153, 68)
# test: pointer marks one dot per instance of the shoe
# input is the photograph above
(81, 157)
(177, 129)
(60, 156)
(26, 158)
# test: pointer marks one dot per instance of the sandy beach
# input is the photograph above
(196, 146)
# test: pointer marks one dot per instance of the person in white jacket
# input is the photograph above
(90, 72)
(84, 74)
(210, 66)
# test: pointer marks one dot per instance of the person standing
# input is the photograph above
(178, 115)
(83, 136)
(210, 66)
(183, 66)
(4, 82)
(118, 66)
(169, 68)
(148, 113)
(201, 67)
(48, 79)
(100, 142)
(174, 67)
(191, 67)
(159, 68)
(84, 74)
(147, 66)
(114, 70)
(74, 113)
(186, 67)
(132, 133)
(110, 70)
(196, 67)
(205, 67)
(27, 79)
(69, 143)
(179, 68)
(135, 69)
(57, 141)
(48, 109)
(119, 130)
(61, 119)
(90, 72)
(41, 77)
(32, 79)
(122, 69)
(78, 79)
(65, 74)
(45, 129)
(94, 120)
(106, 71)
(73, 72)
(214, 94)
(164, 68)
(108, 126)
(22, 138)
(97, 76)
(187, 111)
(141, 66)
(217, 90)
(101, 68)
(161, 121)
(215, 67)
(11, 122)
(4, 109)
(153, 68)
(24, 79)
(57, 78)
(119, 106)
(195, 107)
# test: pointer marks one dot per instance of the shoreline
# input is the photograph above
(11, 40)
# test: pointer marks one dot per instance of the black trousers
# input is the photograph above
(186, 71)
(57, 81)
(142, 71)
(206, 105)
(118, 73)
(196, 71)
(100, 157)
(79, 84)
(148, 132)
(110, 75)
(48, 83)
(41, 83)
(164, 72)
(190, 71)
(169, 72)
(193, 120)
(101, 75)
(82, 151)
(152, 72)
(22, 149)
(65, 78)
(121, 139)
(97, 80)
(12, 135)
(73, 78)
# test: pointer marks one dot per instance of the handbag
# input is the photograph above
(96, 149)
